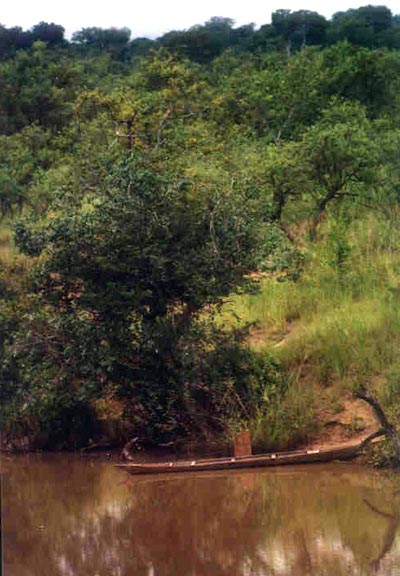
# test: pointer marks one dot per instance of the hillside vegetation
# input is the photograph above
(199, 233)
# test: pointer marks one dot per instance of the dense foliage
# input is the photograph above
(147, 181)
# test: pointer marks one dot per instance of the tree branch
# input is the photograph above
(387, 427)
(368, 439)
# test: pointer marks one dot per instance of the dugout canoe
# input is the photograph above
(234, 463)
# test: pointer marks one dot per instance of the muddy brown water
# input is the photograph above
(64, 515)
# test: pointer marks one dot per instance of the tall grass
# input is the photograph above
(286, 422)
(7, 248)
(337, 325)
(339, 316)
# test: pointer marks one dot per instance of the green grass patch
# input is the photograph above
(337, 325)
(286, 422)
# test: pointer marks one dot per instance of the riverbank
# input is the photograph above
(333, 327)
(322, 332)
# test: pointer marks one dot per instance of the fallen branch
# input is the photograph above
(368, 439)
(387, 428)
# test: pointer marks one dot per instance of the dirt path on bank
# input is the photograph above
(343, 421)
(350, 426)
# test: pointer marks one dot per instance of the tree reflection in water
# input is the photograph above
(390, 534)
(65, 516)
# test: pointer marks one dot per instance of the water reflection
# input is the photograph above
(64, 516)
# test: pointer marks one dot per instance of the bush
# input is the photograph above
(122, 298)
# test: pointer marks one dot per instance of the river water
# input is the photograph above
(65, 515)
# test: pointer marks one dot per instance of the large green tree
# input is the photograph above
(124, 287)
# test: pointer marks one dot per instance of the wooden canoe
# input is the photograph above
(234, 463)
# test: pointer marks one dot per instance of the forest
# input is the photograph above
(199, 233)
